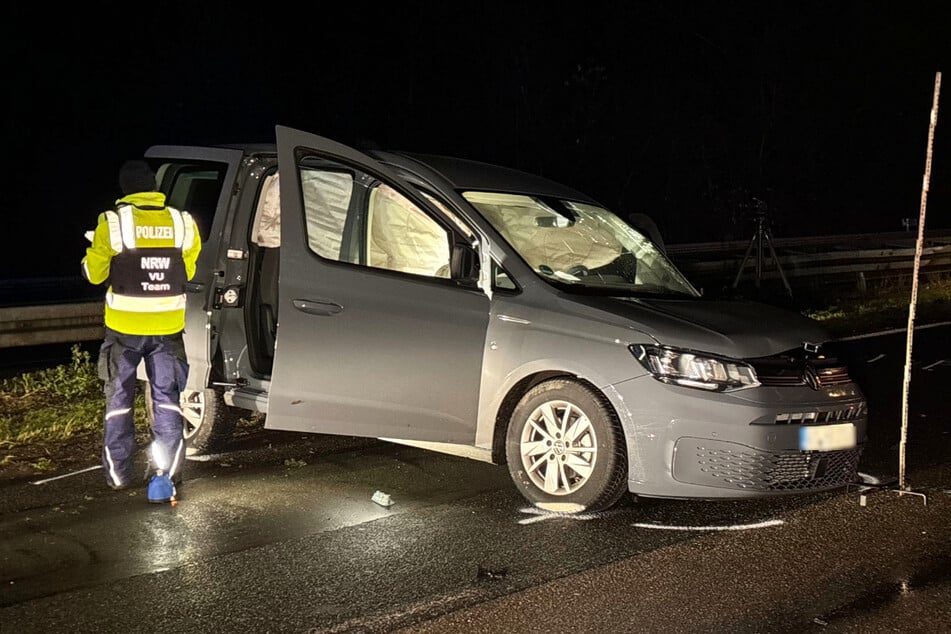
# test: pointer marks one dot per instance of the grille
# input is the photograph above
(836, 415)
(832, 376)
(792, 374)
(797, 368)
(788, 471)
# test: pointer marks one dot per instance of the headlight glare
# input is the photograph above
(693, 369)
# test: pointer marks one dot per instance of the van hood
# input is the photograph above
(737, 329)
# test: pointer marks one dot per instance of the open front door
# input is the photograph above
(375, 336)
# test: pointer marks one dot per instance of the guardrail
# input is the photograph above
(828, 268)
(52, 323)
(814, 265)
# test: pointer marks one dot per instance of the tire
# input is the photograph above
(209, 421)
(584, 473)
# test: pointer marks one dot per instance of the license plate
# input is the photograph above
(826, 437)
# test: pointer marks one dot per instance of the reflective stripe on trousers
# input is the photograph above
(167, 370)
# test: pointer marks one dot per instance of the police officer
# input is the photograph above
(147, 252)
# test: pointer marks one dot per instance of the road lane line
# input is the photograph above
(67, 475)
(892, 331)
(734, 527)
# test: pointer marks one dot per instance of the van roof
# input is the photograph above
(468, 175)
(461, 174)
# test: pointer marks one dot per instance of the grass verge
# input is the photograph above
(46, 412)
(885, 309)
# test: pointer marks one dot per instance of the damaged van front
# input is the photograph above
(716, 399)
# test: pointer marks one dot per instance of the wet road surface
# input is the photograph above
(280, 535)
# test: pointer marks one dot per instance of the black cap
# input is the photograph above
(136, 176)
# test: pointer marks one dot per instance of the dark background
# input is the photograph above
(682, 110)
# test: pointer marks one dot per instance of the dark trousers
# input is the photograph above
(167, 370)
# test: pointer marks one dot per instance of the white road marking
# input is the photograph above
(892, 331)
(734, 527)
(541, 515)
(66, 475)
(206, 457)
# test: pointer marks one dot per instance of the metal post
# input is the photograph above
(902, 485)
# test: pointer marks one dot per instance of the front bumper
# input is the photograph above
(685, 443)
(727, 465)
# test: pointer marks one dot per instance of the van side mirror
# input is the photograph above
(465, 263)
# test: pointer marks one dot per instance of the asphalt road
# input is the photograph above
(280, 535)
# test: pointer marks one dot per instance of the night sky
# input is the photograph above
(682, 110)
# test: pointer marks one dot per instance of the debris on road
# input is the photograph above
(383, 499)
(488, 574)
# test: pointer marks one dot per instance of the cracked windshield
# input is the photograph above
(582, 246)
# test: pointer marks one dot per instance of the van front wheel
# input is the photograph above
(209, 421)
(565, 450)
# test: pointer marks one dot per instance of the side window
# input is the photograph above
(401, 237)
(501, 280)
(266, 227)
(371, 225)
(193, 187)
(327, 201)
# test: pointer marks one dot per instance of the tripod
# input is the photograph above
(761, 236)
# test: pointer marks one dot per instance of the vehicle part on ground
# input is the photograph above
(565, 450)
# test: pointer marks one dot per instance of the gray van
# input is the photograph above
(484, 312)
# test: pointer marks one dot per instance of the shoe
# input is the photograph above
(161, 489)
(124, 483)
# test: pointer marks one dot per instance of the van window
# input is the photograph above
(374, 226)
(579, 246)
(401, 237)
(266, 228)
(193, 187)
(327, 198)
(501, 280)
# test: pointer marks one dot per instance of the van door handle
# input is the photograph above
(194, 287)
(313, 307)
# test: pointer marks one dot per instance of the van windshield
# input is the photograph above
(581, 247)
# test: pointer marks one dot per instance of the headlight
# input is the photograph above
(692, 369)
